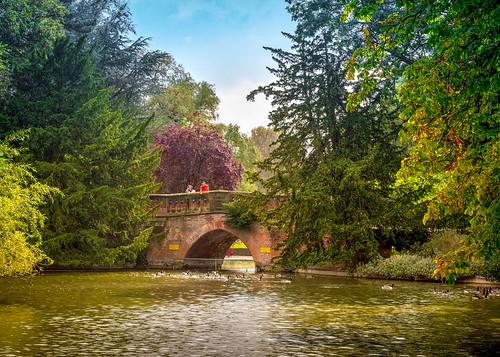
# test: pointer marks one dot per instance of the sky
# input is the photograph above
(220, 42)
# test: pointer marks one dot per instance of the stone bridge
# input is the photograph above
(190, 230)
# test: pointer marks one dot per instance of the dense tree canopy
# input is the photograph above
(87, 96)
(335, 169)
(105, 173)
(75, 79)
(54, 88)
(3, 70)
(29, 30)
(196, 154)
(450, 99)
(264, 139)
(79, 138)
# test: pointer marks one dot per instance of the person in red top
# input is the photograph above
(204, 187)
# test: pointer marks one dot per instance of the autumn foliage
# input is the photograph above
(192, 155)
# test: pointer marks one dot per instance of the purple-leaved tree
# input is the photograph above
(192, 155)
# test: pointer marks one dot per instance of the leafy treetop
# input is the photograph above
(196, 154)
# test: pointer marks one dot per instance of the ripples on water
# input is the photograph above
(139, 313)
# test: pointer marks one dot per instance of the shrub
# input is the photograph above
(21, 221)
(240, 214)
(400, 266)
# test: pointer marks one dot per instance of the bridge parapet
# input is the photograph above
(183, 204)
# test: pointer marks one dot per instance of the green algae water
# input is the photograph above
(150, 314)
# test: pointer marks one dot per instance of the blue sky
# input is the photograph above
(220, 41)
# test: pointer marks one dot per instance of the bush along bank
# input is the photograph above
(407, 266)
(419, 261)
(399, 266)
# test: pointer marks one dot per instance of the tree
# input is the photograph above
(264, 138)
(81, 139)
(28, 33)
(127, 64)
(185, 102)
(333, 169)
(450, 99)
(105, 172)
(85, 144)
(21, 220)
(192, 155)
(54, 89)
(3, 70)
(28, 30)
(244, 151)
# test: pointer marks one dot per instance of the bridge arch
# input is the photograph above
(211, 245)
(208, 236)
(214, 243)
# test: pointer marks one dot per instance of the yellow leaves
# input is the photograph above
(20, 218)
(433, 213)
(17, 256)
(419, 114)
(351, 68)
(368, 38)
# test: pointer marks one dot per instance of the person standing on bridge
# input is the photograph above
(204, 187)
(190, 189)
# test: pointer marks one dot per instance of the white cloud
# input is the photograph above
(235, 109)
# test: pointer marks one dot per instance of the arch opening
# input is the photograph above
(213, 251)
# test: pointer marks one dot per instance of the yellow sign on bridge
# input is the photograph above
(265, 249)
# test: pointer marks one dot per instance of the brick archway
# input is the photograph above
(211, 245)
(206, 236)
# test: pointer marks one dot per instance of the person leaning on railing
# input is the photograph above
(204, 187)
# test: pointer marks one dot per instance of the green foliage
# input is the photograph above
(490, 269)
(87, 248)
(105, 173)
(184, 102)
(264, 138)
(244, 151)
(441, 243)
(3, 70)
(52, 90)
(450, 99)
(399, 266)
(56, 59)
(29, 30)
(21, 220)
(333, 169)
(240, 213)
(128, 254)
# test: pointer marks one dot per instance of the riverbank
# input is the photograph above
(319, 271)
(247, 265)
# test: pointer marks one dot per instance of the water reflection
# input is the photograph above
(142, 313)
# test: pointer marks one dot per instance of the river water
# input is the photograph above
(151, 314)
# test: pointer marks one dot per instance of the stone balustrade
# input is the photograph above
(182, 204)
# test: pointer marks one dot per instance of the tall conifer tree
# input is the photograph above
(333, 168)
